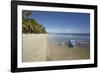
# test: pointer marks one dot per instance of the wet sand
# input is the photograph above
(63, 52)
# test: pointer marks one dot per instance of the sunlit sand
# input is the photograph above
(36, 47)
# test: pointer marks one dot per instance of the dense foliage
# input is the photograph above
(31, 26)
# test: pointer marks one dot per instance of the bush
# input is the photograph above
(31, 26)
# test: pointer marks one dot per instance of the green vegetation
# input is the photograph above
(29, 25)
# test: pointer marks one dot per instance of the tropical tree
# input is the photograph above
(30, 25)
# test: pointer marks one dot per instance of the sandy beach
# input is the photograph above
(63, 52)
(36, 47)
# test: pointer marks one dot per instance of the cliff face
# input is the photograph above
(31, 26)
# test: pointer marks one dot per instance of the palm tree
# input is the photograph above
(30, 25)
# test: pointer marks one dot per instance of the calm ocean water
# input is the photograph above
(58, 38)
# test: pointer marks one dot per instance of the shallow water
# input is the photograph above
(58, 38)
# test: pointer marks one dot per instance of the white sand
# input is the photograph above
(34, 47)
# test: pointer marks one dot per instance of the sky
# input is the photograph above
(63, 22)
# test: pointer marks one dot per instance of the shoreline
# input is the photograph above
(63, 52)
(37, 47)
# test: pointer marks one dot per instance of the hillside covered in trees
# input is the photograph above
(29, 25)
